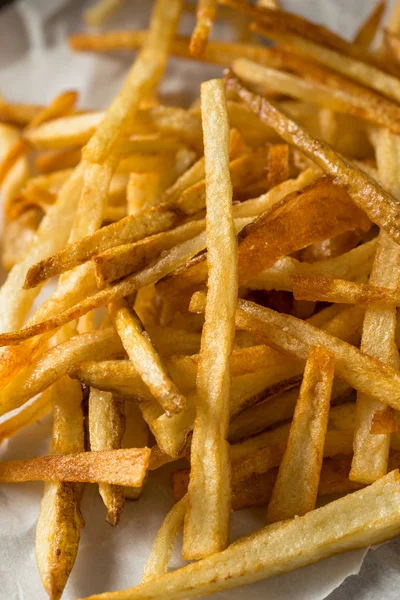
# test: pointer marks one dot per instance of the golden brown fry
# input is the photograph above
(136, 435)
(296, 487)
(205, 16)
(145, 357)
(163, 545)
(119, 262)
(60, 521)
(106, 428)
(380, 206)
(207, 520)
(365, 35)
(57, 160)
(55, 363)
(364, 517)
(326, 289)
(117, 467)
(66, 131)
(351, 265)
(371, 443)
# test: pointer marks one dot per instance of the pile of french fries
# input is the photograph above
(228, 277)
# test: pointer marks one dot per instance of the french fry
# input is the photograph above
(364, 517)
(55, 363)
(371, 448)
(163, 545)
(60, 521)
(145, 357)
(116, 467)
(205, 16)
(365, 35)
(106, 428)
(273, 410)
(351, 265)
(136, 435)
(207, 520)
(67, 131)
(383, 210)
(48, 162)
(296, 487)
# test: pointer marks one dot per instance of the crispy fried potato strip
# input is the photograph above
(106, 429)
(205, 14)
(207, 520)
(296, 487)
(163, 545)
(368, 516)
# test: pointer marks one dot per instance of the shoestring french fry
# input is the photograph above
(296, 487)
(205, 16)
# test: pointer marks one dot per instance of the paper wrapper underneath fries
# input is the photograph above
(165, 159)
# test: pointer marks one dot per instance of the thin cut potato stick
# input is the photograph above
(140, 81)
(365, 517)
(327, 289)
(379, 205)
(207, 520)
(56, 362)
(296, 487)
(163, 545)
(205, 16)
(145, 357)
(365, 35)
(106, 428)
(97, 15)
(127, 466)
(371, 449)
(351, 265)
(60, 521)
(65, 131)
(29, 414)
(48, 162)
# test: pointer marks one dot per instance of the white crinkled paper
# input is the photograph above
(35, 65)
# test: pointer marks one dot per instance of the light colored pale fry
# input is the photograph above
(207, 520)
(366, 33)
(205, 16)
(60, 521)
(66, 131)
(118, 467)
(145, 357)
(140, 82)
(97, 15)
(368, 516)
(379, 205)
(106, 428)
(29, 414)
(56, 362)
(18, 113)
(296, 487)
(371, 449)
(163, 545)
(351, 265)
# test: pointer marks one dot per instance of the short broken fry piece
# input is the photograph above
(127, 466)
(296, 487)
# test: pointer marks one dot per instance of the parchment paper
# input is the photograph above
(35, 65)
